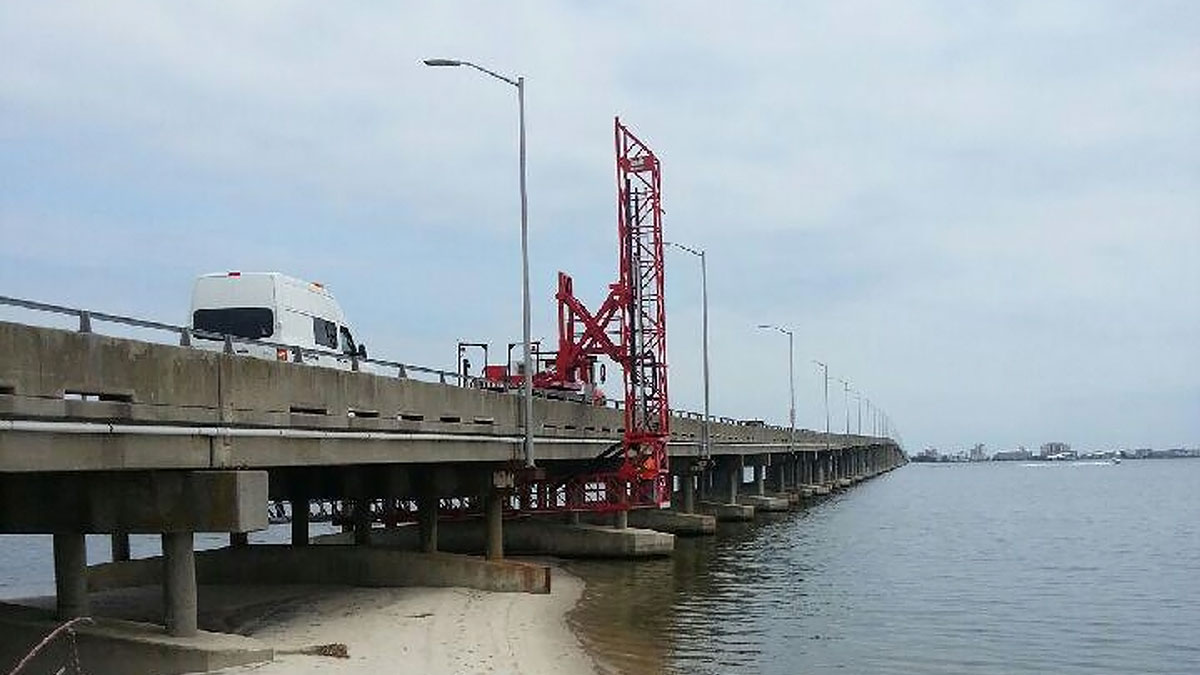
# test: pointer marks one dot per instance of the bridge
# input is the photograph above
(103, 434)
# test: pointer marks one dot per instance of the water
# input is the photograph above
(977, 569)
(27, 560)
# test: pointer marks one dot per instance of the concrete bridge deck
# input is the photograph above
(108, 435)
(179, 408)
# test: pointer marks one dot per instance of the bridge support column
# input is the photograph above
(120, 546)
(361, 525)
(621, 520)
(179, 584)
(735, 478)
(687, 482)
(495, 525)
(300, 518)
(70, 575)
(427, 515)
(760, 476)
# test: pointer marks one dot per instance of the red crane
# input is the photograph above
(630, 328)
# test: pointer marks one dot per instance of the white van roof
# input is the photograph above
(226, 289)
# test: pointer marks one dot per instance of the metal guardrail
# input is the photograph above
(186, 334)
(298, 353)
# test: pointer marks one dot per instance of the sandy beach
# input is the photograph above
(424, 630)
(434, 631)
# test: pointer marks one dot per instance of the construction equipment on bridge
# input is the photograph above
(630, 329)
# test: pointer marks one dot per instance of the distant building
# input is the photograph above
(978, 453)
(1055, 448)
(1012, 456)
(927, 455)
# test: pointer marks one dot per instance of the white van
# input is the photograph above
(275, 308)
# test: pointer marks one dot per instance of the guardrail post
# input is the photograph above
(401, 372)
(354, 363)
(297, 355)
(185, 337)
(85, 321)
(228, 345)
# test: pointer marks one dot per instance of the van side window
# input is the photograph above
(347, 341)
(325, 333)
(246, 322)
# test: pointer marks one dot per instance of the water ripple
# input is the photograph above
(969, 570)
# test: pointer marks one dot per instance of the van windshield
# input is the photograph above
(245, 322)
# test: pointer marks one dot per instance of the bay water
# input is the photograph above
(971, 569)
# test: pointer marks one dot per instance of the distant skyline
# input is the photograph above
(985, 216)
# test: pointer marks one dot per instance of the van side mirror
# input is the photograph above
(362, 351)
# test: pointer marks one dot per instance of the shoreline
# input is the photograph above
(425, 630)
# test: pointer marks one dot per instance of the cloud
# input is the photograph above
(980, 214)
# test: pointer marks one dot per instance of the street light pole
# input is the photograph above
(825, 368)
(705, 441)
(858, 398)
(791, 382)
(527, 380)
(846, 400)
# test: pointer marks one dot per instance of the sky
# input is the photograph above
(985, 217)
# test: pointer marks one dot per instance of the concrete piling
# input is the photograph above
(179, 584)
(427, 516)
(688, 485)
(120, 546)
(70, 575)
(495, 525)
(735, 479)
(300, 518)
(361, 515)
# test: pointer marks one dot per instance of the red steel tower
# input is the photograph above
(631, 329)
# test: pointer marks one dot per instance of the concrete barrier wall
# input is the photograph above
(528, 537)
(114, 647)
(142, 382)
(333, 565)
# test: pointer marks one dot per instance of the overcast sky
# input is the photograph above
(985, 216)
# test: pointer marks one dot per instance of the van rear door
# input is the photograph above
(235, 304)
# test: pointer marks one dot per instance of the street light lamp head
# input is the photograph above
(442, 62)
